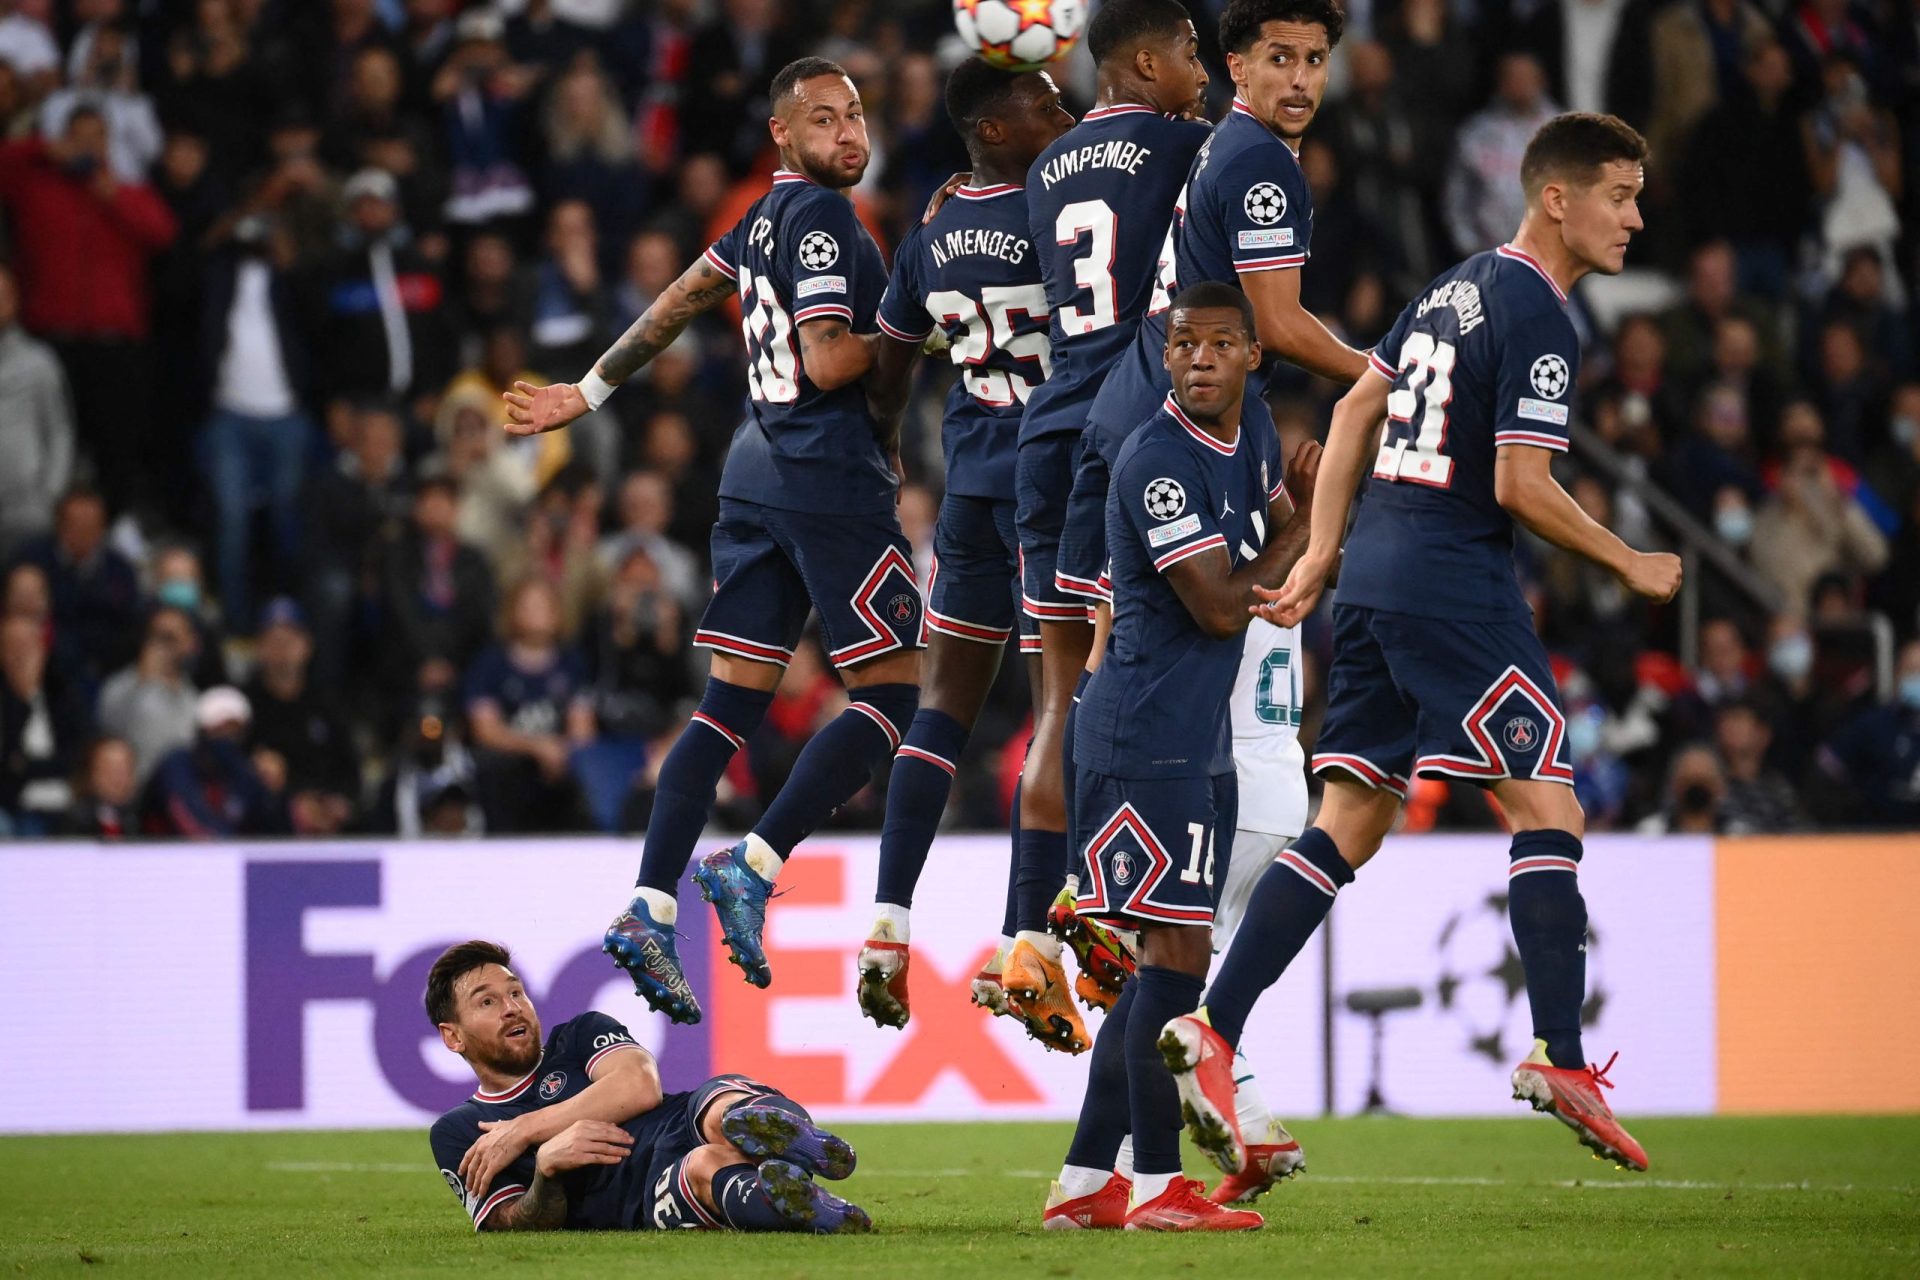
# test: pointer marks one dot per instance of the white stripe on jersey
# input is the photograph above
(1267, 694)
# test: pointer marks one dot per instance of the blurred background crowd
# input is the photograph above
(271, 566)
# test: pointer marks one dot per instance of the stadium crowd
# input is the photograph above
(271, 565)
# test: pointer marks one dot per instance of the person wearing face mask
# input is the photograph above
(179, 583)
(151, 703)
(1893, 471)
(1876, 755)
(1696, 792)
(1758, 798)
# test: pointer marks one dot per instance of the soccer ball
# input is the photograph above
(1020, 35)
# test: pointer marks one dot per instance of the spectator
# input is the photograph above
(533, 460)
(434, 787)
(639, 651)
(1810, 527)
(1877, 753)
(1381, 144)
(1718, 453)
(562, 546)
(1853, 155)
(374, 129)
(1699, 50)
(479, 93)
(646, 512)
(1691, 327)
(1861, 299)
(151, 703)
(1757, 799)
(107, 78)
(1695, 796)
(208, 788)
(1483, 199)
(732, 59)
(27, 46)
(1736, 363)
(487, 469)
(351, 509)
(217, 87)
(1744, 174)
(436, 594)
(589, 154)
(386, 328)
(669, 448)
(1435, 64)
(569, 302)
(301, 726)
(1590, 610)
(667, 385)
(42, 726)
(96, 594)
(1848, 393)
(495, 293)
(36, 427)
(179, 583)
(103, 807)
(82, 239)
(1648, 396)
(255, 445)
(530, 705)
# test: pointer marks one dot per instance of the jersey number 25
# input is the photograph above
(1417, 415)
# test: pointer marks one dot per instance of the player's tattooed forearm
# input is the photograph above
(698, 289)
(543, 1208)
(821, 334)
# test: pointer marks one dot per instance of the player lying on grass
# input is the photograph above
(1437, 670)
(971, 274)
(1196, 518)
(807, 522)
(575, 1134)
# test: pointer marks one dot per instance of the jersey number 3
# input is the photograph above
(1417, 415)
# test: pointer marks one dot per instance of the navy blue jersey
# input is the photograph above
(800, 254)
(599, 1197)
(530, 700)
(1158, 706)
(1100, 199)
(1245, 208)
(1485, 356)
(972, 273)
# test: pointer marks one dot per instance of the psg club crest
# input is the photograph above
(1165, 498)
(900, 608)
(552, 1084)
(818, 251)
(1265, 203)
(1122, 866)
(1549, 376)
(1521, 733)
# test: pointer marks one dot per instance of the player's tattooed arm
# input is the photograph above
(699, 288)
(834, 355)
(542, 1208)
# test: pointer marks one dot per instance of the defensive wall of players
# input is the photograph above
(279, 986)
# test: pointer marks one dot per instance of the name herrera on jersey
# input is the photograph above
(995, 244)
(1117, 154)
(1464, 297)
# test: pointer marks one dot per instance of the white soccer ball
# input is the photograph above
(1020, 35)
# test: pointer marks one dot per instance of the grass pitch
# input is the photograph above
(1727, 1197)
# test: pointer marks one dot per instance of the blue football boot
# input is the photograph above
(809, 1206)
(773, 1133)
(645, 949)
(739, 897)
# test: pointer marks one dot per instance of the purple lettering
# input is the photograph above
(282, 977)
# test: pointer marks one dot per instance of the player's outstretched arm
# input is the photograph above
(544, 1206)
(1351, 443)
(1293, 333)
(1523, 483)
(834, 355)
(627, 1084)
(532, 410)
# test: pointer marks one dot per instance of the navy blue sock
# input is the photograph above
(916, 798)
(1043, 869)
(1010, 921)
(1069, 770)
(777, 1101)
(727, 716)
(1288, 904)
(743, 1201)
(1105, 1109)
(1549, 919)
(838, 762)
(1154, 1103)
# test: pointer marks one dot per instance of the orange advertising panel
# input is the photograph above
(1819, 959)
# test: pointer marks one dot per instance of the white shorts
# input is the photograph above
(1253, 853)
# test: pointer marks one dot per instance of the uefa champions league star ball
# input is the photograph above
(1021, 35)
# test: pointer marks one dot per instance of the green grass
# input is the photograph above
(1732, 1197)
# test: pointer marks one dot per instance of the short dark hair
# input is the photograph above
(1573, 145)
(1240, 24)
(1213, 294)
(976, 90)
(1122, 26)
(455, 963)
(789, 76)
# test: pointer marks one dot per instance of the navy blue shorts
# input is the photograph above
(1082, 566)
(1042, 481)
(1440, 698)
(670, 1202)
(973, 591)
(1152, 855)
(771, 566)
